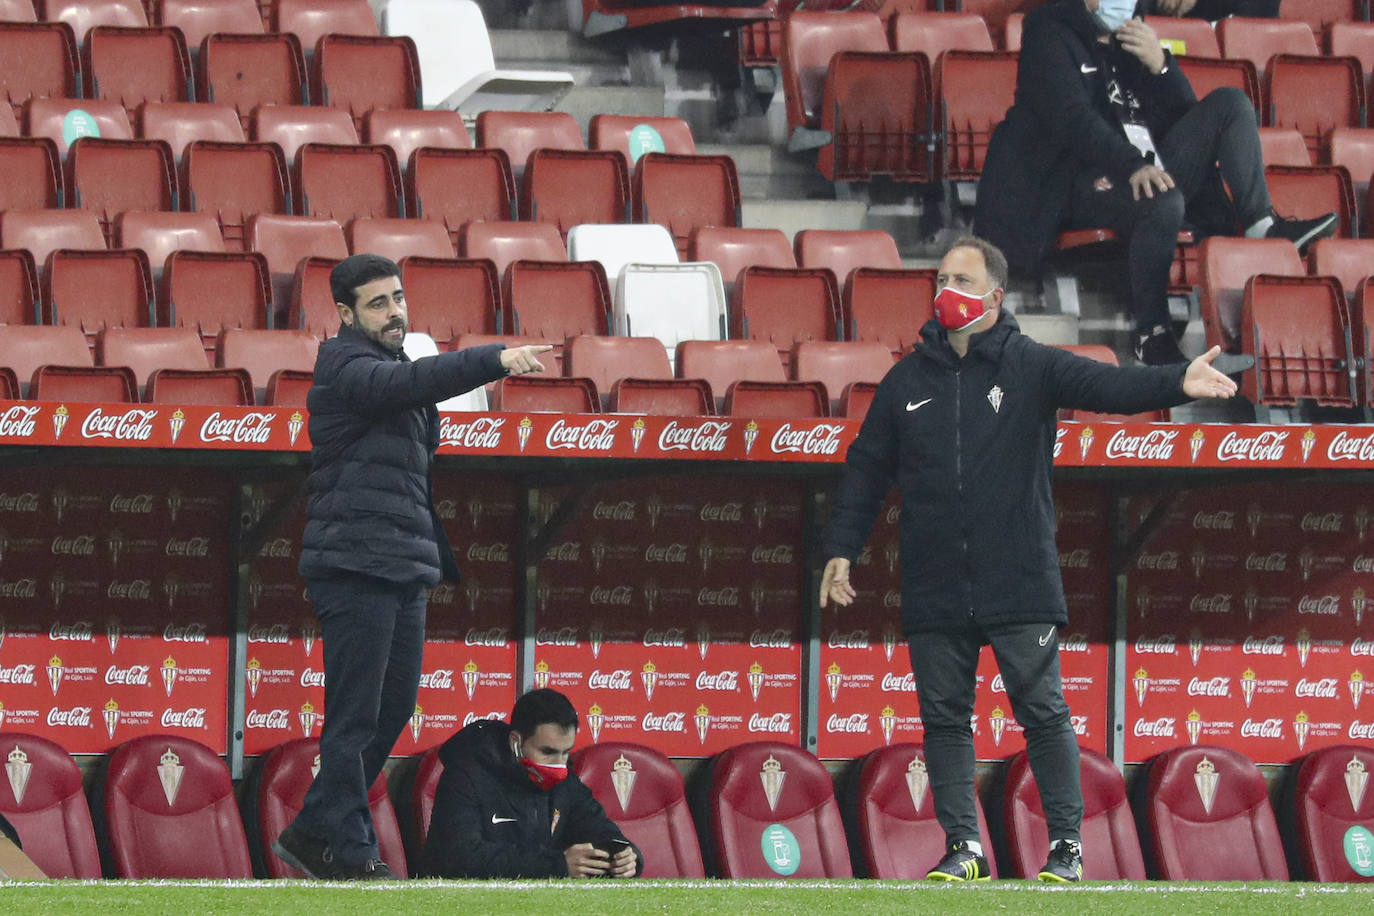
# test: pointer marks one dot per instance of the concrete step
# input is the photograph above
(791, 216)
(768, 171)
(584, 101)
(590, 64)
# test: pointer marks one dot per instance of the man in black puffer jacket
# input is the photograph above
(507, 806)
(372, 547)
(964, 426)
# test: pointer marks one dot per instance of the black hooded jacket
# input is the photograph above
(490, 821)
(970, 445)
(374, 427)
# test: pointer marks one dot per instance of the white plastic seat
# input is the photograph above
(673, 302)
(457, 67)
(418, 345)
(616, 245)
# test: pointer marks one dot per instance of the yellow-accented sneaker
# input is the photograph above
(961, 864)
(1065, 863)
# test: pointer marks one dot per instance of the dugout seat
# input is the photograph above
(293, 126)
(44, 801)
(449, 296)
(976, 90)
(723, 362)
(113, 384)
(159, 234)
(1298, 330)
(1283, 146)
(557, 299)
(146, 350)
(398, 238)
(41, 232)
(1292, 82)
(65, 120)
(551, 394)
(1348, 260)
(732, 250)
(519, 133)
(266, 355)
(747, 398)
(1225, 264)
(839, 364)
(571, 187)
(209, 291)
(26, 348)
(887, 306)
(608, 360)
(1332, 801)
(92, 290)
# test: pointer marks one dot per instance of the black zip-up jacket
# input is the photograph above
(490, 821)
(374, 429)
(970, 445)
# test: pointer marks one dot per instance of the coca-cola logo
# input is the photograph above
(665, 553)
(17, 674)
(1262, 645)
(776, 723)
(18, 502)
(725, 596)
(438, 679)
(19, 588)
(76, 717)
(820, 439)
(274, 719)
(853, 724)
(721, 512)
(495, 637)
(279, 633)
(1210, 604)
(566, 552)
(481, 433)
(1266, 446)
(668, 722)
(253, 428)
(1263, 728)
(133, 425)
(854, 639)
(707, 437)
(278, 549)
(770, 639)
(1360, 647)
(193, 717)
(1267, 562)
(312, 678)
(137, 504)
(1347, 447)
(555, 636)
(1162, 727)
(623, 511)
(592, 436)
(187, 547)
(1156, 445)
(133, 590)
(899, 683)
(725, 680)
(998, 685)
(1326, 605)
(1166, 644)
(471, 717)
(1215, 521)
(1361, 730)
(619, 679)
(1322, 522)
(1213, 687)
(1079, 558)
(75, 632)
(186, 632)
(82, 545)
(1362, 564)
(673, 637)
(776, 555)
(1059, 441)
(618, 595)
(1166, 559)
(133, 676)
(18, 422)
(1321, 689)
(1074, 642)
(495, 552)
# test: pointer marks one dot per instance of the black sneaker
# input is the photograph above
(961, 864)
(1302, 231)
(371, 870)
(1065, 863)
(1159, 347)
(306, 853)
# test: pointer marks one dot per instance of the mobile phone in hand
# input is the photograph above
(612, 848)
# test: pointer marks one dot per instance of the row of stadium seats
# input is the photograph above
(164, 807)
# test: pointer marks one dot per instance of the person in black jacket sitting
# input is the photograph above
(372, 546)
(965, 427)
(1105, 131)
(507, 806)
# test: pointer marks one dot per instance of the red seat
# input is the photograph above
(1283, 146)
(837, 365)
(1353, 148)
(662, 397)
(1362, 337)
(1198, 37)
(448, 296)
(1105, 354)
(292, 126)
(519, 133)
(934, 33)
(681, 193)
(310, 20)
(994, 12)
(643, 793)
(136, 66)
(857, 400)
(362, 73)
(1321, 13)
(723, 362)
(602, 16)
(98, 289)
(1304, 193)
(110, 176)
(225, 387)
(170, 812)
(9, 124)
(1208, 73)
(559, 299)
(1353, 39)
(1348, 260)
(115, 384)
(785, 307)
(198, 19)
(891, 815)
(37, 59)
(1209, 819)
(246, 70)
(888, 306)
(24, 349)
(289, 387)
(1331, 801)
(55, 119)
(422, 792)
(1225, 265)
(235, 182)
(265, 354)
(1298, 330)
(345, 182)
(17, 11)
(146, 350)
(1292, 82)
(405, 131)
(9, 385)
(160, 234)
(732, 250)
(398, 238)
(842, 250)
(571, 187)
(607, 360)
(281, 784)
(552, 360)
(761, 786)
(622, 132)
(976, 89)
(181, 122)
(33, 174)
(42, 232)
(20, 297)
(454, 186)
(546, 394)
(1111, 850)
(809, 41)
(503, 242)
(44, 801)
(1258, 40)
(300, 252)
(747, 398)
(209, 291)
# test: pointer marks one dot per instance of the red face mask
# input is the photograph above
(544, 775)
(957, 310)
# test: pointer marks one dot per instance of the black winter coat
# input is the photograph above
(1061, 124)
(490, 821)
(374, 429)
(970, 445)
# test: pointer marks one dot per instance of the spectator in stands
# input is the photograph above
(372, 546)
(507, 807)
(1213, 10)
(964, 425)
(1106, 131)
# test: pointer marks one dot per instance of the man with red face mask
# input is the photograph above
(964, 426)
(507, 806)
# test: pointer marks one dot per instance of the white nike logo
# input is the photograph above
(910, 406)
(1045, 640)
(511, 820)
(1084, 68)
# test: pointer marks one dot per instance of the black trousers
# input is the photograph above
(1218, 139)
(945, 665)
(374, 637)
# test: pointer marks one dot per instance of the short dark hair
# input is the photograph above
(993, 259)
(357, 270)
(542, 707)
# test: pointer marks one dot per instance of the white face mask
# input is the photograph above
(1112, 14)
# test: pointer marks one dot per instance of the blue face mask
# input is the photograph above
(1112, 14)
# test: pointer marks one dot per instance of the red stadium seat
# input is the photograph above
(311, 20)
(1283, 146)
(246, 70)
(53, 118)
(732, 250)
(571, 187)
(545, 394)
(723, 362)
(994, 12)
(9, 124)
(809, 41)
(552, 360)
(1362, 336)
(842, 250)
(422, 792)
(361, 73)
(290, 242)
(198, 19)
(181, 122)
(1353, 148)
(934, 33)
(44, 802)
(42, 232)
(146, 350)
(1298, 330)
(448, 297)
(19, 291)
(310, 304)
(1111, 850)
(398, 238)
(279, 794)
(976, 89)
(785, 307)
(839, 364)
(519, 133)
(607, 360)
(1104, 354)
(759, 787)
(1331, 800)
(503, 242)
(857, 400)
(170, 812)
(110, 176)
(1304, 193)
(890, 813)
(1348, 260)
(619, 132)
(643, 793)
(1209, 73)
(115, 384)
(1321, 13)
(1225, 265)
(1197, 36)
(92, 290)
(1259, 40)
(9, 385)
(346, 182)
(1292, 82)
(263, 354)
(17, 11)
(1208, 818)
(235, 182)
(136, 66)
(454, 186)
(291, 126)
(776, 399)
(559, 299)
(37, 59)
(26, 348)
(289, 387)
(33, 174)
(405, 131)
(602, 16)
(210, 291)
(1353, 39)
(662, 397)
(888, 306)
(684, 192)
(224, 387)
(160, 234)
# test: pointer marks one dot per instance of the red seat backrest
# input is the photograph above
(1258, 40)
(607, 360)
(684, 192)
(734, 249)
(1333, 803)
(309, 20)
(33, 170)
(504, 241)
(405, 130)
(837, 364)
(547, 394)
(181, 122)
(558, 299)
(292, 126)
(362, 73)
(809, 40)
(43, 800)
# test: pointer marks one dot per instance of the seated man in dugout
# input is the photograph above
(1106, 131)
(507, 806)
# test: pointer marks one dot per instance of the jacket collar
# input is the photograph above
(1074, 15)
(986, 345)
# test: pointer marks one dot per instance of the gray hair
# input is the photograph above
(993, 260)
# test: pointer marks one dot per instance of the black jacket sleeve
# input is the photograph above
(870, 471)
(587, 823)
(1086, 384)
(375, 387)
(1220, 9)
(457, 846)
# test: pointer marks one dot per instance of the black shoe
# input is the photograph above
(1159, 347)
(1065, 863)
(961, 864)
(306, 853)
(371, 870)
(1302, 231)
